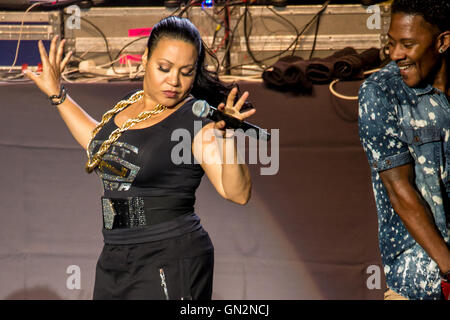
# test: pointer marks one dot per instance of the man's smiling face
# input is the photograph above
(412, 45)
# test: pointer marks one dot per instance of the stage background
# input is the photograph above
(308, 232)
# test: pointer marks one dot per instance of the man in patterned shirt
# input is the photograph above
(404, 127)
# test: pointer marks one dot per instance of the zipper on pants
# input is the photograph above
(163, 282)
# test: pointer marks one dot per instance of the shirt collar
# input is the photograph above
(421, 91)
(418, 91)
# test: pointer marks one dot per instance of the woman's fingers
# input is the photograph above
(231, 97)
(234, 109)
(65, 61)
(230, 100)
(43, 54)
(31, 75)
(219, 125)
(59, 53)
(246, 114)
(49, 80)
(241, 101)
(52, 51)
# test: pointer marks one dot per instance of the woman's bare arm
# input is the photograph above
(79, 122)
(218, 155)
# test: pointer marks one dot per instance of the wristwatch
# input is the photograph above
(59, 98)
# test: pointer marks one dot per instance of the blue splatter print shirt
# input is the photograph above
(400, 125)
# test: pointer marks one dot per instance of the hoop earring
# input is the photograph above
(441, 50)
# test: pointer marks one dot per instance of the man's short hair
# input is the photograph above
(435, 12)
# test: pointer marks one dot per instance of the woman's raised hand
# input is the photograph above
(233, 109)
(49, 81)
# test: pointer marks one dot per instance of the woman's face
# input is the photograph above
(170, 71)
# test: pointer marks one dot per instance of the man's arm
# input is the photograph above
(415, 213)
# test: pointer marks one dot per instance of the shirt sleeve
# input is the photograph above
(379, 130)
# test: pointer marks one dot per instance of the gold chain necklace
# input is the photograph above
(93, 162)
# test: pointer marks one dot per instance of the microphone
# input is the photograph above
(203, 110)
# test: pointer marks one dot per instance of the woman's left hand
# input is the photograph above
(232, 110)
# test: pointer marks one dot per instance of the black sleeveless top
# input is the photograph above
(152, 161)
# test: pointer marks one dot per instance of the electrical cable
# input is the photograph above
(230, 42)
(108, 51)
(228, 37)
(226, 40)
(247, 35)
(185, 8)
(103, 36)
(289, 22)
(260, 62)
(344, 97)
(315, 35)
(21, 29)
(229, 34)
(232, 37)
(20, 33)
(324, 7)
(129, 44)
(219, 26)
(341, 111)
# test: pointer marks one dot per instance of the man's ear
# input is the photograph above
(144, 58)
(443, 41)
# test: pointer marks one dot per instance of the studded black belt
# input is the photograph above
(134, 212)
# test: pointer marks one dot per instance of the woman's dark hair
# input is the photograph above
(435, 12)
(207, 85)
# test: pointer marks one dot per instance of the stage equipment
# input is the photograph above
(23, 4)
(47, 4)
(36, 26)
(107, 32)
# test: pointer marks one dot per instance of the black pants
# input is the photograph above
(176, 268)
